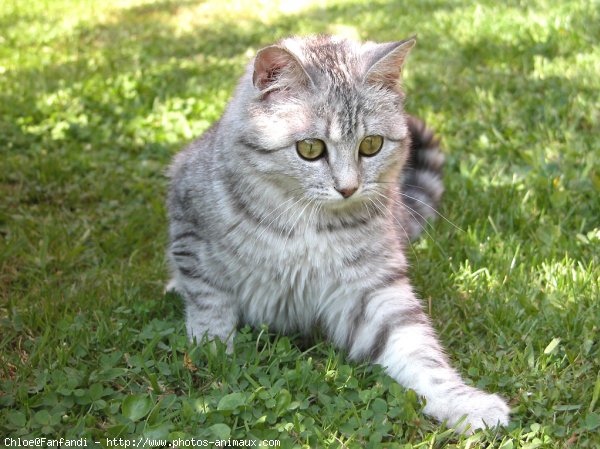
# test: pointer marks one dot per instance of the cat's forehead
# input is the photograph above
(322, 48)
(328, 59)
(339, 104)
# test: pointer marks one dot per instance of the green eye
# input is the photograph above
(310, 149)
(370, 145)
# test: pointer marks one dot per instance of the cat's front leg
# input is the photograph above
(389, 327)
(209, 316)
(210, 310)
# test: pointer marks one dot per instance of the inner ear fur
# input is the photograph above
(277, 68)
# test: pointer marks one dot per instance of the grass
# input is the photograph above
(95, 98)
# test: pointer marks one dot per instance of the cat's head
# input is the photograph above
(324, 116)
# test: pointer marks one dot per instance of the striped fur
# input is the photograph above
(421, 179)
(260, 235)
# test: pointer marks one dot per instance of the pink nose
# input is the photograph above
(347, 191)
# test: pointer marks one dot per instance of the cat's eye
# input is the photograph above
(370, 145)
(310, 149)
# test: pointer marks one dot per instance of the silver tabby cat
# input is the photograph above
(294, 208)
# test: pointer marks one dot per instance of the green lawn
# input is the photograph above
(95, 98)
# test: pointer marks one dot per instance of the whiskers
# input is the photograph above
(385, 210)
(396, 189)
(387, 194)
(295, 222)
(276, 213)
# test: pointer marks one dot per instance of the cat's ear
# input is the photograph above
(384, 62)
(275, 68)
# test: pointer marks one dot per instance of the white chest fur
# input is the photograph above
(288, 282)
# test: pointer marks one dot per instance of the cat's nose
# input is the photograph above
(347, 191)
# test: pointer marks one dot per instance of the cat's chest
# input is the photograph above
(305, 252)
(286, 281)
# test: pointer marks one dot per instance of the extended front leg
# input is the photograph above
(389, 327)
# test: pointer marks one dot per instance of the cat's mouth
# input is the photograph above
(339, 201)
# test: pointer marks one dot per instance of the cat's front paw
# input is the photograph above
(472, 410)
(204, 335)
(484, 410)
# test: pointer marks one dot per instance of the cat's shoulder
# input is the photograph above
(196, 154)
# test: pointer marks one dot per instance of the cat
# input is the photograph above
(294, 209)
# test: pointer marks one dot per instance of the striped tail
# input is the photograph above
(421, 180)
